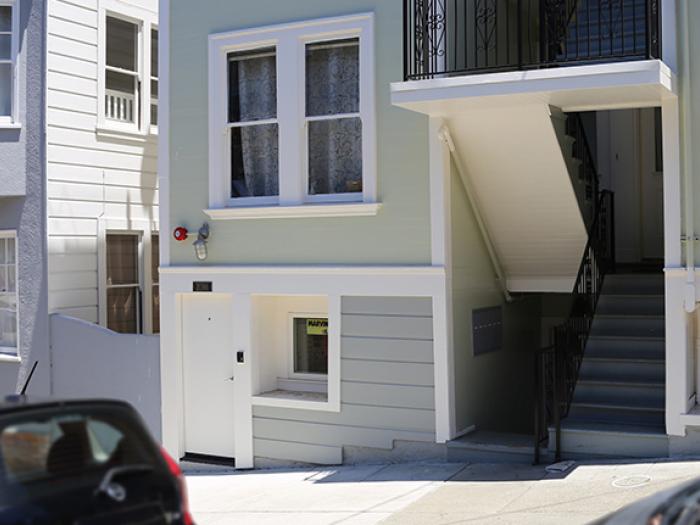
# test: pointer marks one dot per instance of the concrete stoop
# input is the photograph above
(590, 442)
(494, 447)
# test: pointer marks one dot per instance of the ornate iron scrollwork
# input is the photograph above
(430, 30)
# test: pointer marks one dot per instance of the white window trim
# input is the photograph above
(145, 230)
(12, 120)
(291, 374)
(145, 21)
(9, 353)
(290, 41)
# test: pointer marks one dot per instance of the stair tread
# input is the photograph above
(628, 337)
(641, 317)
(621, 381)
(624, 359)
(618, 428)
(605, 405)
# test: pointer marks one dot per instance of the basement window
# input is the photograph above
(309, 346)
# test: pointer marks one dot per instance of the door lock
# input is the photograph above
(231, 378)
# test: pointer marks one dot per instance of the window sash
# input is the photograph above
(10, 116)
(6, 296)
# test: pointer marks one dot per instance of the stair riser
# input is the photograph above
(619, 393)
(655, 349)
(587, 444)
(632, 327)
(641, 305)
(617, 416)
(634, 284)
(633, 371)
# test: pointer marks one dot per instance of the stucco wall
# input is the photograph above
(493, 391)
(91, 361)
(22, 157)
(398, 235)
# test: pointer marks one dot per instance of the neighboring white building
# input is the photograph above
(102, 134)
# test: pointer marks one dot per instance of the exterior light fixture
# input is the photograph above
(200, 245)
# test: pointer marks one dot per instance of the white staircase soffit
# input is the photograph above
(516, 167)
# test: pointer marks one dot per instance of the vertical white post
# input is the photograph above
(171, 394)
(440, 233)
(243, 382)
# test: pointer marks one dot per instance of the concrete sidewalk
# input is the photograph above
(430, 494)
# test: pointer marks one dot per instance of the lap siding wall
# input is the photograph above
(387, 387)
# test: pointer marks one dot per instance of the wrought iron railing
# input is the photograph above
(557, 366)
(458, 37)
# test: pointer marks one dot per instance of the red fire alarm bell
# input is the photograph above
(180, 233)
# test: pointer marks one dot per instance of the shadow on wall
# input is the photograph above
(91, 361)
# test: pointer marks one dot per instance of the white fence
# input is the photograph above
(93, 362)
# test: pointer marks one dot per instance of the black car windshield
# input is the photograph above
(47, 445)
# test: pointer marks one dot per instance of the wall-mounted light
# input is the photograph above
(200, 245)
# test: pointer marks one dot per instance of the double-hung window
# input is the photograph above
(9, 22)
(128, 82)
(131, 296)
(8, 293)
(292, 118)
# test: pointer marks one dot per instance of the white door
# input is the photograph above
(208, 359)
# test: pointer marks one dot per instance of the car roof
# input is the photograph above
(19, 403)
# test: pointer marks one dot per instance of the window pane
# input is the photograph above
(4, 279)
(156, 309)
(155, 257)
(5, 18)
(10, 243)
(5, 47)
(3, 250)
(154, 102)
(11, 278)
(154, 53)
(310, 345)
(335, 156)
(121, 97)
(252, 85)
(8, 320)
(254, 161)
(5, 89)
(122, 259)
(333, 78)
(122, 310)
(121, 44)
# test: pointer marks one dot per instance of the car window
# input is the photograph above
(65, 444)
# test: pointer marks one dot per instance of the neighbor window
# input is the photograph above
(8, 293)
(123, 283)
(297, 114)
(130, 80)
(310, 345)
(155, 286)
(8, 58)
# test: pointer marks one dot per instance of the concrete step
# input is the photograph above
(612, 346)
(634, 284)
(618, 414)
(623, 370)
(585, 440)
(617, 392)
(629, 325)
(492, 447)
(609, 304)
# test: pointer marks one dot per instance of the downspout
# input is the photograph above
(444, 135)
(689, 202)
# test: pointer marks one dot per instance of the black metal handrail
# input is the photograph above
(458, 37)
(557, 366)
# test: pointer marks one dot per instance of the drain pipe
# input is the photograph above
(444, 135)
(689, 299)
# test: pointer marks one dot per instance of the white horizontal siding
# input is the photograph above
(89, 176)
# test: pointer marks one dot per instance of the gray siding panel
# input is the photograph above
(414, 306)
(373, 349)
(304, 452)
(386, 387)
(387, 326)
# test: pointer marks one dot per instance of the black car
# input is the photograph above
(82, 463)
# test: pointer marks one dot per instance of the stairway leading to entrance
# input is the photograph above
(618, 403)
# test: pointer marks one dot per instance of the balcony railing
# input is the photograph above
(120, 106)
(462, 37)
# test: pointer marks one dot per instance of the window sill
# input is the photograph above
(108, 133)
(358, 209)
(10, 125)
(6, 357)
(292, 399)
